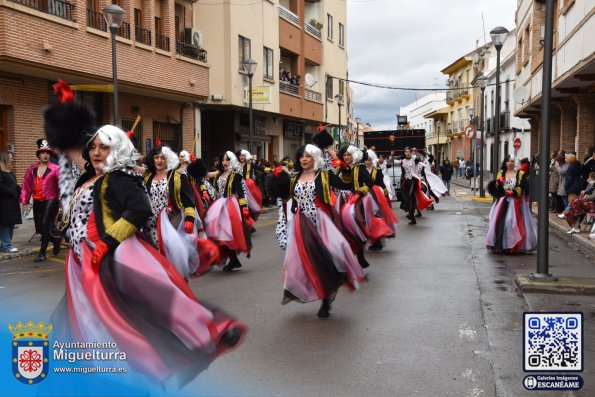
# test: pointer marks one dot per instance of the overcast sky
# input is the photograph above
(408, 42)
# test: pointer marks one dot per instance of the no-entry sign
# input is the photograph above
(516, 144)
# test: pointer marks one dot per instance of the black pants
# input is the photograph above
(44, 214)
(409, 202)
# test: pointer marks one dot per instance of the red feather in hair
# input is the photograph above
(192, 158)
(63, 91)
(130, 134)
(157, 142)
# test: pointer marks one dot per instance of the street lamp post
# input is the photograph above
(498, 35)
(544, 147)
(114, 16)
(339, 99)
(357, 121)
(483, 82)
(250, 67)
(438, 126)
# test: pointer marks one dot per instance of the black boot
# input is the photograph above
(418, 215)
(377, 246)
(40, 257)
(234, 263)
(325, 309)
(231, 337)
(413, 222)
(57, 247)
(362, 261)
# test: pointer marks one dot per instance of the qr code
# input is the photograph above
(553, 342)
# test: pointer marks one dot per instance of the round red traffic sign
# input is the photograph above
(470, 131)
(516, 144)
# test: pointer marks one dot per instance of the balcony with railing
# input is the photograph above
(162, 42)
(191, 51)
(124, 30)
(58, 8)
(289, 88)
(288, 15)
(95, 20)
(313, 30)
(312, 95)
(142, 35)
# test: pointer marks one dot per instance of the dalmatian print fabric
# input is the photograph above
(158, 197)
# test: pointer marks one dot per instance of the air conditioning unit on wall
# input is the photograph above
(193, 36)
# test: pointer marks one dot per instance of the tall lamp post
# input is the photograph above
(498, 35)
(250, 67)
(544, 148)
(114, 16)
(482, 81)
(357, 121)
(438, 126)
(471, 114)
(339, 99)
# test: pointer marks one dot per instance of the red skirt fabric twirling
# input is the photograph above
(223, 224)
(139, 301)
(511, 228)
(254, 198)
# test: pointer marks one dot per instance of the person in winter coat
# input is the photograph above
(573, 184)
(10, 211)
(554, 181)
(562, 167)
(446, 170)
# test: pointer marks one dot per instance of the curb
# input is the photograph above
(563, 285)
(575, 240)
(20, 254)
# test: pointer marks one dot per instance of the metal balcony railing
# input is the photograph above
(312, 95)
(95, 20)
(313, 31)
(124, 30)
(289, 88)
(191, 51)
(142, 35)
(162, 42)
(57, 8)
(288, 15)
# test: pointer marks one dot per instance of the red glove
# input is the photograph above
(500, 180)
(278, 170)
(101, 249)
(245, 213)
(509, 193)
(205, 195)
(339, 163)
(355, 197)
(189, 227)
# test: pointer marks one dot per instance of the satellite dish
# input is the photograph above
(309, 79)
(521, 95)
(197, 38)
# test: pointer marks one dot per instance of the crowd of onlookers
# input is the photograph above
(285, 75)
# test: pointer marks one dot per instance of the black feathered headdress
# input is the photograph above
(68, 124)
(197, 169)
(278, 185)
(322, 138)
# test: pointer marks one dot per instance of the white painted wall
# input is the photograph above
(416, 110)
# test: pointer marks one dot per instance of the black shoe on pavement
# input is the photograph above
(325, 309)
(231, 337)
(233, 264)
(418, 215)
(377, 246)
(413, 222)
(39, 258)
(362, 261)
(57, 247)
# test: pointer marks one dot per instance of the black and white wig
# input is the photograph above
(185, 156)
(122, 154)
(313, 151)
(356, 154)
(170, 156)
(234, 163)
(247, 154)
(372, 157)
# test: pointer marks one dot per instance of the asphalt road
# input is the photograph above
(438, 317)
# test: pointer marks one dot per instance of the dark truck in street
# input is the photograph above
(394, 142)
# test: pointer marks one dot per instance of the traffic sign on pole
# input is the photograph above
(516, 144)
(470, 131)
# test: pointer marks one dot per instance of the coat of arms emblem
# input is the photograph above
(30, 351)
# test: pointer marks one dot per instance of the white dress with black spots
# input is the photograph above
(305, 196)
(80, 213)
(158, 197)
(222, 185)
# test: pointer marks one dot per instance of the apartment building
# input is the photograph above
(572, 125)
(161, 72)
(296, 44)
(459, 100)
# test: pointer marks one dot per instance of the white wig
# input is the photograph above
(356, 153)
(247, 154)
(316, 154)
(186, 156)
(122, 152)
(234, 163)
(372, 156)
(172, 158)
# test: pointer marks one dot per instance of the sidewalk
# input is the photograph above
(22, 240)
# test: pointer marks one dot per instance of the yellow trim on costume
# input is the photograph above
(373, 174)
(121, 230)
(177, 188)
(355, 173)
(243, 202)
(326, 191)
(106, 212)
(364, 190)
(147, 176)
(189, 211)
(248, 171)
(518, 189)
(267, 169)
(229, 184)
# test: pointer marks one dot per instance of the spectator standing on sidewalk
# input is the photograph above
(554, 181)
(446, 170)
(462, 167)
(10, 211)
(455, 165)
(573, 183)
(41, 183)
(562, 167)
